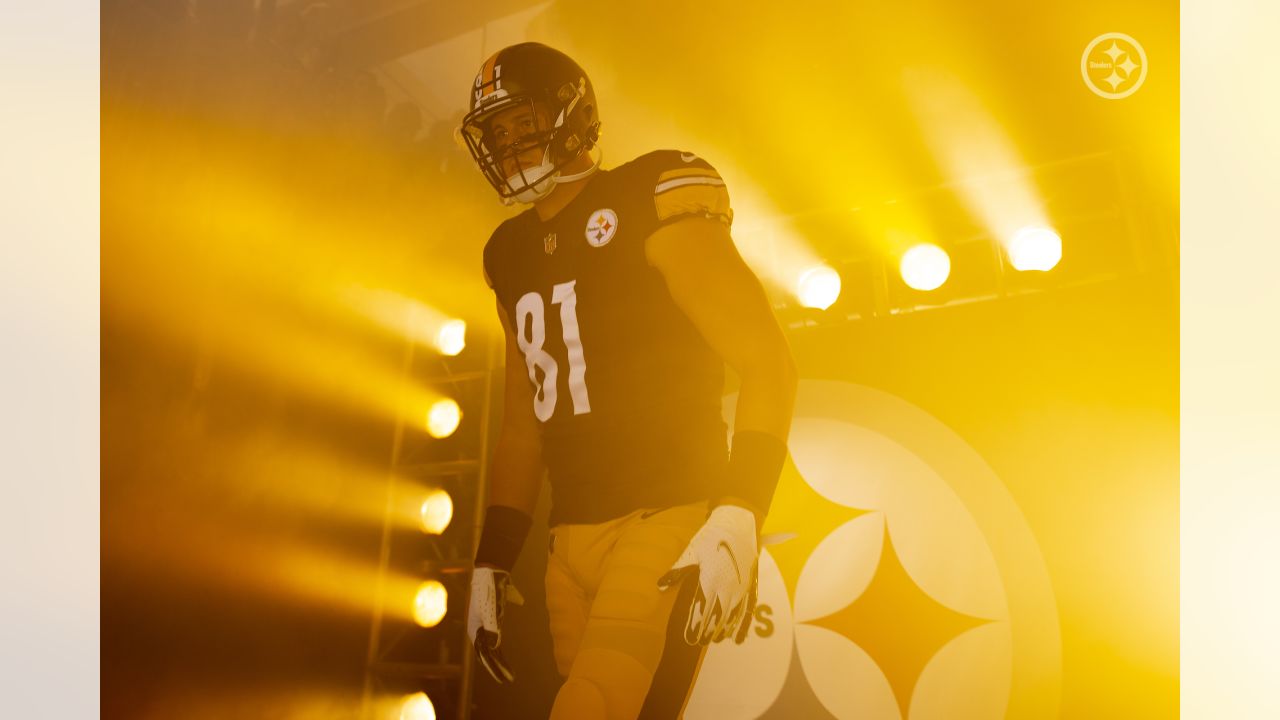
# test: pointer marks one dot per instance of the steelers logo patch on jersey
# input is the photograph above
(601, 227)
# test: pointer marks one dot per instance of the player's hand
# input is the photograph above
(490, 591)
(722, 555)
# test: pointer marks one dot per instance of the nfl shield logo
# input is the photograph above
(549, 243)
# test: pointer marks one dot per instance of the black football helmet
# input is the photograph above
(560, 98)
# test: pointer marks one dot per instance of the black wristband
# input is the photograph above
(505, 529)
(755, 464)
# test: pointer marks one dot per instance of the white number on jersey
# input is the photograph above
(532, 308)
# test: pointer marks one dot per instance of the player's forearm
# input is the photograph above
(515, 476)
(767, 395)
(514, 480)
(762, 423)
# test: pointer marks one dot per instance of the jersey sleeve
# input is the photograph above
(685, 185)
(486, 264)
(493, 264)
(498, 269)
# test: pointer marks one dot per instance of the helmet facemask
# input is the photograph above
(560, 142)
(497, 149)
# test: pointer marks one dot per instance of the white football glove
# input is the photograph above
(723, 555)
(491, 590)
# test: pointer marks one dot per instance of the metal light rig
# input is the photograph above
(404, 659)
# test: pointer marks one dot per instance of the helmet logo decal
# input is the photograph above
(569, 95)
(488, 85)
(601, 227)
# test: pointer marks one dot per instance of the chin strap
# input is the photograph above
(535, 191)
(595, 165)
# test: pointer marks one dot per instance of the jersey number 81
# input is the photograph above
(531, 306)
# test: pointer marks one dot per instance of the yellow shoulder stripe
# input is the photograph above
(694, 199)
(687, 172)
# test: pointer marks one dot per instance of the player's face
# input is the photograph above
(514, 135)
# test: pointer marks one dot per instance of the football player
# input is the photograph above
(622, 297)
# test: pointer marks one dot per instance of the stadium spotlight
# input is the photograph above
(443, 418)
(430, 603)
(925, 267)
(417, 707)
(1035, 248)
(436, 512)
(452, 337)
(818, 287)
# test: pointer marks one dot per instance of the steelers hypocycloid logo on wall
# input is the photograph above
(601, 227)
(912, 588)
(1114, 65)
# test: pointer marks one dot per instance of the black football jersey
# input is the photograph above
(626, 390)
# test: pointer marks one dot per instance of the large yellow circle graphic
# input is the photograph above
(910, 585)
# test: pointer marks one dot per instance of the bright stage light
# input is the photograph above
(452, 337)
(443, 418)
(1035, 248)
(818, 287)
(436, 512)
(430, 603)
(925, 267)
(417, 707)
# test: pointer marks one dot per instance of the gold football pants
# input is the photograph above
(617, 645)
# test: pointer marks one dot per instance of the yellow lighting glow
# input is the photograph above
(925, 267)
(1035, 248)
(417, 707)
(818, 287)
(443, 418)
(400, 314)
(974, 149)
(430, 603)
(437, 511)
(452, 337)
